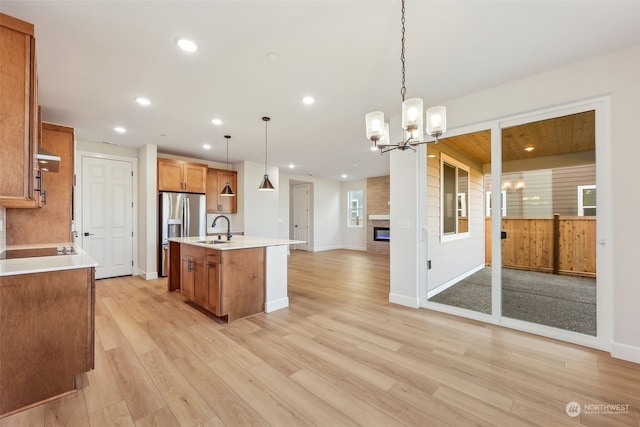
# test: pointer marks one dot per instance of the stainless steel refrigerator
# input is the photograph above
(181, 215)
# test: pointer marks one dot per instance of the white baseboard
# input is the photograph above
(404, 300)
(270, 306)
(625, 352)
(447, 285)
(325, 248)
(148, 276)
(354, 248)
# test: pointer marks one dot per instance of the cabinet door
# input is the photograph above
(195, 177)
(213, 192)
(227, 204)
(200, 294)
(187, 277)
(170, 175)
(18, 104)
(213, 279)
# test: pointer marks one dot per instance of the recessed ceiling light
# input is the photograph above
(216, 121)
(374, 148)
(272, 56)
(431, 156)
(291, 166)
(142, 101)
(206, 146)
(344, 175)
(119, 129)
(308, 100)
(186, 44)
(529, 149)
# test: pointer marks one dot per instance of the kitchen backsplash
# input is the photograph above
(3, 228)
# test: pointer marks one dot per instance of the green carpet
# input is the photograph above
(563, 302)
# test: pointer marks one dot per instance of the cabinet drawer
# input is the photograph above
(213, 257)
(192, 251)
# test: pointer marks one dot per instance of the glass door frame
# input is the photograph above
(604, 226)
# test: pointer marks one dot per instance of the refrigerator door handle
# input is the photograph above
(187, 217)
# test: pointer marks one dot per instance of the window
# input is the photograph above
(488, 203)
(355, 201)
(586, 200)
(454, 197)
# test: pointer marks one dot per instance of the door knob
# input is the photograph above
(88, 234)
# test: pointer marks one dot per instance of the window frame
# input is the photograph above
(488, 203)
(581, 206)
(358, 210)
(458, 165)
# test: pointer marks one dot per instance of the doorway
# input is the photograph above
(106, 213)
(301, 215)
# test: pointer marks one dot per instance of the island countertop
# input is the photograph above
(236, 242)
(39, 264)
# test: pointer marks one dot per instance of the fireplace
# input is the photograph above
(381, 234)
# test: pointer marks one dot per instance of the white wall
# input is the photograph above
(3, 228)
(147, 208)
(353, 237)
(259, 209)
(615, 74)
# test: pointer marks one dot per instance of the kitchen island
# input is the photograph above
(231, 278)
(47, 297)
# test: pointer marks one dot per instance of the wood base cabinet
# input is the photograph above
(230, 284)
(46, 335)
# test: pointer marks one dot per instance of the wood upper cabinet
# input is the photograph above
(180, 176)
(18, 114)
(216, 180)
(52, 222)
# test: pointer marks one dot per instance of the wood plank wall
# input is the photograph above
(530, 241)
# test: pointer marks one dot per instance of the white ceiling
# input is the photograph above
(94, 57)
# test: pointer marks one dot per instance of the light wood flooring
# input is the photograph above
(340, 355)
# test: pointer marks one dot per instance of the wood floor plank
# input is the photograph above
(136, 336)
(163, 417)
(316, 410)
(184, 401)
(138, 390)
(274, 409)
(66, 411)
(99, 386)
(229, 407)
(115, 415)
(352, 406)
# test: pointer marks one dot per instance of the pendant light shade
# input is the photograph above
(266, 184)
(227, 191)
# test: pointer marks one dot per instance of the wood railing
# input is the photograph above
(559, 245)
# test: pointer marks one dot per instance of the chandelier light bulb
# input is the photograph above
(374, 122)
(436, 121)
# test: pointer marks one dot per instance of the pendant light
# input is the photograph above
(227, 191)
(412, 118)
(265, 185)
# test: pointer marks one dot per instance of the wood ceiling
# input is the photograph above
(561, 135)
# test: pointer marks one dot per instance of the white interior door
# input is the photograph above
(301, 215)
(107, 215)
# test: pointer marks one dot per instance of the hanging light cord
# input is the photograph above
(403, 91)
(265, 146)
(227, 170)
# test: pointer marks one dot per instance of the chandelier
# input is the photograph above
(412, 118)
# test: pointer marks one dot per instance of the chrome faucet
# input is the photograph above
(228, 225)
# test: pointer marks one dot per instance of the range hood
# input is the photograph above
(48, 161)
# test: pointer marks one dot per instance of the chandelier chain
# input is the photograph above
(403, 91)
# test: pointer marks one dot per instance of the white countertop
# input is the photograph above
(13, 266)
(237, 242)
